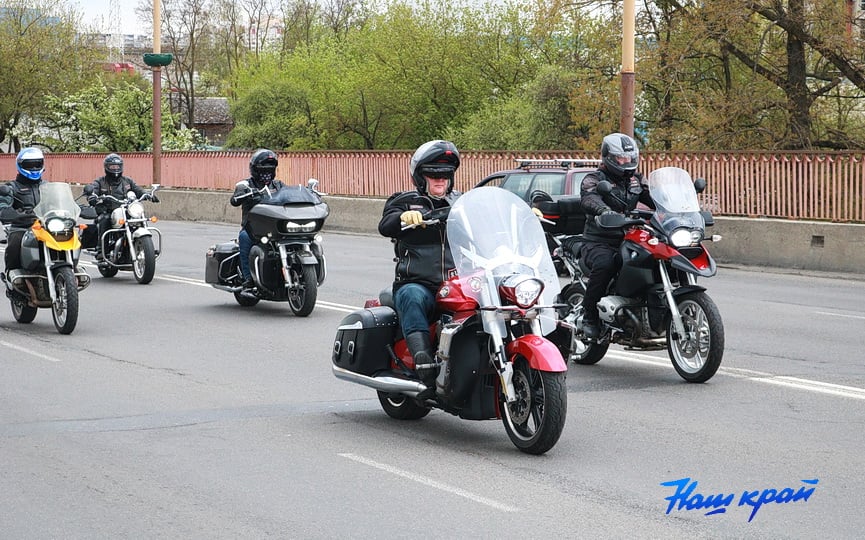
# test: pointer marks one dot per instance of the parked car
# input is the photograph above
(553, 185)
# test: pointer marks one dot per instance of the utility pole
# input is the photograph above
(626, 121)
(157, 60)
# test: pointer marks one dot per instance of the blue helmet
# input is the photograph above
(30, 163)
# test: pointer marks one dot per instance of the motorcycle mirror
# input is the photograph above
(700, 185)
(312, 184)
(131, 195)
(155, 188)
(605, 187)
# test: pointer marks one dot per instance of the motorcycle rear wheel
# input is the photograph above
(65, 308)
(302, 298)
(402, 407)
(534, 422)
(697, 355)
(144, 264)
(570, 344)
(22, 312)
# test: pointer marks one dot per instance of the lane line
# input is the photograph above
(840, 315)
(29, 351)
(431, 483)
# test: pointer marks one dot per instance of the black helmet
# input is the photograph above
(436, 159)
(262, 167)
(113, 165)
(618, 145)
(30, 163)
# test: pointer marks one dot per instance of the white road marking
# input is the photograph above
(431, 483)
(840, 315)
(29, 351)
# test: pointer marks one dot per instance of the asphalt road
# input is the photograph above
(172, 412)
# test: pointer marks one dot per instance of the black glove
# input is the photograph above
(154, 198)
(599, 217)
(255, 197)
(93, 200)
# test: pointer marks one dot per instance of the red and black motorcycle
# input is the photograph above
(654, 302)
(493, 316)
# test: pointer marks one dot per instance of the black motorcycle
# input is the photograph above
(287, 261)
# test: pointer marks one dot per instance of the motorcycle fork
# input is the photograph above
(674, 309)
(499, 359)
(49, 267)
(286, 267)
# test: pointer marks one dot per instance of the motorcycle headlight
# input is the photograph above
(522, 290)
(295, 227)
(135, 210)
(56, 225)
(685, 237)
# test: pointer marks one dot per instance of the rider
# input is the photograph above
(248, 193)
(422, 255)
(17, 200)
(115, 184)
(620, 158)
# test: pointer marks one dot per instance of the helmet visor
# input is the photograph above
(32, 164)
(114, 168)
(444, 172)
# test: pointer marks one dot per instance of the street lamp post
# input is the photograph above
(157, 60)
(626, 120)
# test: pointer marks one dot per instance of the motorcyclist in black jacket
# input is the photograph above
(423, 258)
(115, 184)
(17, 200)
(247, 193)
(620, 158)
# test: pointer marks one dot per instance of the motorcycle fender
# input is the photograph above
(685, 289)
(302, 255)
(539, 351)
(141, 231)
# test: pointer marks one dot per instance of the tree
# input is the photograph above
(42, 55)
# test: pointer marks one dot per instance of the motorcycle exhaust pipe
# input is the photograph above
(381, 383)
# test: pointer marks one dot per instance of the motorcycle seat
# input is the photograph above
(573, 244)
(385, 297)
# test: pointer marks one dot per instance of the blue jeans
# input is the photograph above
(244, 241)
(414, 305)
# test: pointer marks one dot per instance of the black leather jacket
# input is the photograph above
(118, 189)
(422, 254)
(631, 190)
(242, 188)
(17, 200)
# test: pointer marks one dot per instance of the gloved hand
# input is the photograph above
(606, 212)
(93, 200)
(255, 197)
(154, 198)
(411, 217)
(537, 212)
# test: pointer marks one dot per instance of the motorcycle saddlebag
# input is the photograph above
(566, 212)
(362, 339)
(214, 269)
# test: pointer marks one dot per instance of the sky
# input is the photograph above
(96, 12)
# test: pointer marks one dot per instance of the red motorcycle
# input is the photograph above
(654, 303)
(493, 315)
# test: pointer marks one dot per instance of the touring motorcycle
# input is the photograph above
(489, 336)
(654, 302)
(131, 243)
(49, 275)
(288, 261)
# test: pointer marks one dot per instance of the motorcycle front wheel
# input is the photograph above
(569, 343)
(65, 308)
(402, 407)
(534, 422)
(697, 355)
(302, 298)
(144, 263)
(21, 310)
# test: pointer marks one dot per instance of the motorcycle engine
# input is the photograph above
(612, 308)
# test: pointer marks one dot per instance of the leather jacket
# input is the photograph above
(422, 254)
(632, 190)
(17, 200)
(246, 203)
(117, 189)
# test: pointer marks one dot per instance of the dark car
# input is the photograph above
(559, 179)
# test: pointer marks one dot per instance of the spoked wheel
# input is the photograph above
(301, 298)
(402, 407)
(697, 355)
(535, 420)
(65, 308)
(21, 310)
(570, 343)
(144, 263)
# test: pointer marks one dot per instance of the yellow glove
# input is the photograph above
(411, 217)
(537, 212)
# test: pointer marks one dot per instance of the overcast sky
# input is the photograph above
(96, 12)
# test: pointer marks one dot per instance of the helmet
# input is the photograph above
(113, 165)
(618, 145)
(436, 159)
(262, 166)
(31, 163)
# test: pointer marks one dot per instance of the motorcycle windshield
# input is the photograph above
(56, 201)
(676, 204)
(292, 195)
(493, 233)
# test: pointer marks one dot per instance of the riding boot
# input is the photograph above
(425, 363)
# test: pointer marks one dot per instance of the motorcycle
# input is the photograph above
(495, 362)
(49, 275)
(654, 303)
(287, 263)
(131, 243)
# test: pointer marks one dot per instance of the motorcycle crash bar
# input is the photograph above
(382, 383)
